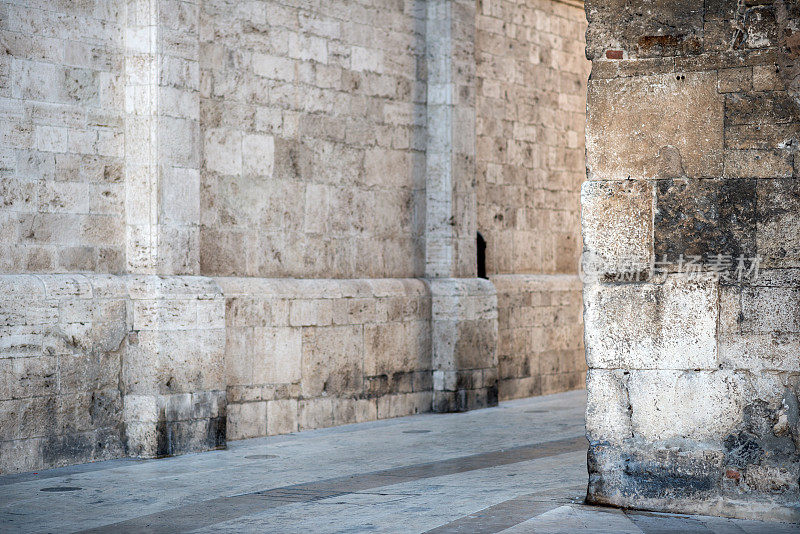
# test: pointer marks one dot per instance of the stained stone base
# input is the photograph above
(464, 325)
(689, 481)
(94, 367)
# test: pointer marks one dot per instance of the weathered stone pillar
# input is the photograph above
(692, 249)
(172, 381)
(464, 308)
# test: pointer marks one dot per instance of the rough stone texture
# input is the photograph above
(272, 206)
(62, 191)
(313, 353)
(97, 366)
(540, 334)
(693, 121)
(531, 110)
(450, 153)
(172, 377)
(60, 361)
(313, 133)
(463, 310)
(464, 344)
(530, 134)
(162, 151)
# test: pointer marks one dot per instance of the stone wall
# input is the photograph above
(540, 334)
(531, 106)
(313, 126)
(60, 400)
(224, 219)
(693, 122)
(100, 366)
(304, 354)
(61, 138)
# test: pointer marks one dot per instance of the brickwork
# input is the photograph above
(692, 122)
(464, 344)
(162, 136)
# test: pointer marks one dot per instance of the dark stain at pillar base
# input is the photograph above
(179, 437)
(464, 400)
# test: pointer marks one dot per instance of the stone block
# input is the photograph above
(757, 164)
(317, 312)
(778, 209)
(402, 404)
(759, 352)
(21, 455)
(705, 218)
(247, 420)
(223, 151)
(652, 326)
(332, 361)
(617, 220)
(315, 413)
(685, 405)
(285, 346)
(760, 107)
(735, 80)
(347, 411)
(282, 416)
(770, 310)
(674, 30)
(258, 154)
(620, 143)
(387, 349)
(766, 78)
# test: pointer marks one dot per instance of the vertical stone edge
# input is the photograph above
(172, 376)
(162, 140)
(463, 308)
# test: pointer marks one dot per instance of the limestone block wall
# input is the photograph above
(173, 372)
(693, 120)
(313, 132)
(60, 360)
(98, 366)
(304, 354)
(61, 137)
(531, 109)
(464, 331)
(540, 334)
(224, 219)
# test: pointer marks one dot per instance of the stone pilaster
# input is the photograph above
(162, 142)
(172, 381)
(464, 308)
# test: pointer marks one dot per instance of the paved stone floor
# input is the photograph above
(517, 468)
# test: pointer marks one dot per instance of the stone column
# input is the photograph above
(690, 228)
(172, 380)
(464, 308)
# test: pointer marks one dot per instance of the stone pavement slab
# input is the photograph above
(520, 467)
